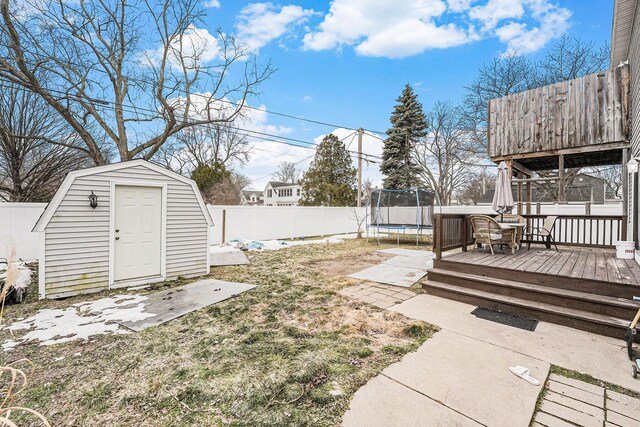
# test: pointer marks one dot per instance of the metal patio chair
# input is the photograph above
(545, 232)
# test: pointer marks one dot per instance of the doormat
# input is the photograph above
(505, 318)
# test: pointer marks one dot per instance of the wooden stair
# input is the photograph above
(602, 308)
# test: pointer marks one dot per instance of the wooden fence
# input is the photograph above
(454, 231)
(590, 110)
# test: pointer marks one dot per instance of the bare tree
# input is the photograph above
(141, 71)
(220, 143)
(36, 147)
(227, 192)
(286, 172)
(569, 58)
(445, 157)
(476, 185)
(502, 76)
(612, 176)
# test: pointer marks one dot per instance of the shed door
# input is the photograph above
(137, 232)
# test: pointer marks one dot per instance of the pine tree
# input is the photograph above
(331, 178)
(408, 125)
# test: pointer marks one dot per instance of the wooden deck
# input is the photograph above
(584, 288)
(581, 263)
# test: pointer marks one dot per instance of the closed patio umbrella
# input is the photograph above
(502, 197)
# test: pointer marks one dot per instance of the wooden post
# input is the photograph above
(538, 206)
(519, 192)
(224, 224)
(587, 208)
(625, 184)
(360, 132)
(529, 194)
(437, 236)
(463, 233)
(561, 181)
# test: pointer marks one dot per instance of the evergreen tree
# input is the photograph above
(331, 178)
(408, 125)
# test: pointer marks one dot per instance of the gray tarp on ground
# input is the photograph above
(176, 302)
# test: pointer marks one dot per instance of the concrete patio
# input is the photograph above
(461, 376)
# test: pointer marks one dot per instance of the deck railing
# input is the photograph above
(454, 231)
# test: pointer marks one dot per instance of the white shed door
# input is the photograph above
(137, 232)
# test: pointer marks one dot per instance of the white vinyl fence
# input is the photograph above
(281, 222)
(545, 209)
(253, 222)
(16, 222)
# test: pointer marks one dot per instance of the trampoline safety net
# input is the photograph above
(411, 208)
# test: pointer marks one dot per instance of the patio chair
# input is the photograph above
(546, 232)
(487, 230)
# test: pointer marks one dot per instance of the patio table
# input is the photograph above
(516, 235)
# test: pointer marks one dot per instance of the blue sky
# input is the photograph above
(345, 61)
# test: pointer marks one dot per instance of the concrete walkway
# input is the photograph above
(461, 376)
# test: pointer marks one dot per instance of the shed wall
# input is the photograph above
(77, 237)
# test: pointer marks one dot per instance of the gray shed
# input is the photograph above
(148, 224)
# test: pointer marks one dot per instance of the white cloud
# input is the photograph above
(212, 3)
(519, 38)
(196, 46)
(307, 98)
(401, 29)
(267, 155)
(260, 23)
(383, 28)
(496, 10)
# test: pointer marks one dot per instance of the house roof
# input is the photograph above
(71, 177)
(277, 184)
(250, 192)
(624, 12)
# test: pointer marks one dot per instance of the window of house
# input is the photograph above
(298, 192)
(269, 193)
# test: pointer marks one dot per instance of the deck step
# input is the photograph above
(600, 304)
(562, 315)
(542, 279)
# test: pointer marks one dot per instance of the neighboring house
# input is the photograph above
(251, 198)
(625, 47)
(584, 188)
(282, 194)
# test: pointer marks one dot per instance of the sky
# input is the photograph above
(344, 62)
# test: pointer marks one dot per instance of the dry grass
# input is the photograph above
(290, 352)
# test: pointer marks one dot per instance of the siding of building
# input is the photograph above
(77, 236)
(634, 70)
(623, 20)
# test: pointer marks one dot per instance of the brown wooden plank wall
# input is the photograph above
(587, 111)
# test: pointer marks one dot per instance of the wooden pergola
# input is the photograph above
(576, 123)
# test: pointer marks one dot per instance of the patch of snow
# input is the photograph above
(80, 321)
(274, 245)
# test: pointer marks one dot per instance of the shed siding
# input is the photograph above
(77, 237)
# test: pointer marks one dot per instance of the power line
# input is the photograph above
(291, 116)
(209, 125)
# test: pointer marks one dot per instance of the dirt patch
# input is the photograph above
(345, 265)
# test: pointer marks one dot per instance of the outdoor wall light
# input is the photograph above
(632, 166)
(93, 200)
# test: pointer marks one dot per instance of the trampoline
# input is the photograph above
(401, 210)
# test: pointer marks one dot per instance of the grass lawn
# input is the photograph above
(290, 352)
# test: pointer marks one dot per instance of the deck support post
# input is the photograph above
(519, 192)
(625, 183)
(561, 180)
(529, 193)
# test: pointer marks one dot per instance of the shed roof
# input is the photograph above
(71, 176)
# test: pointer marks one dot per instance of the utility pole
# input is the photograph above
(360, 132)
